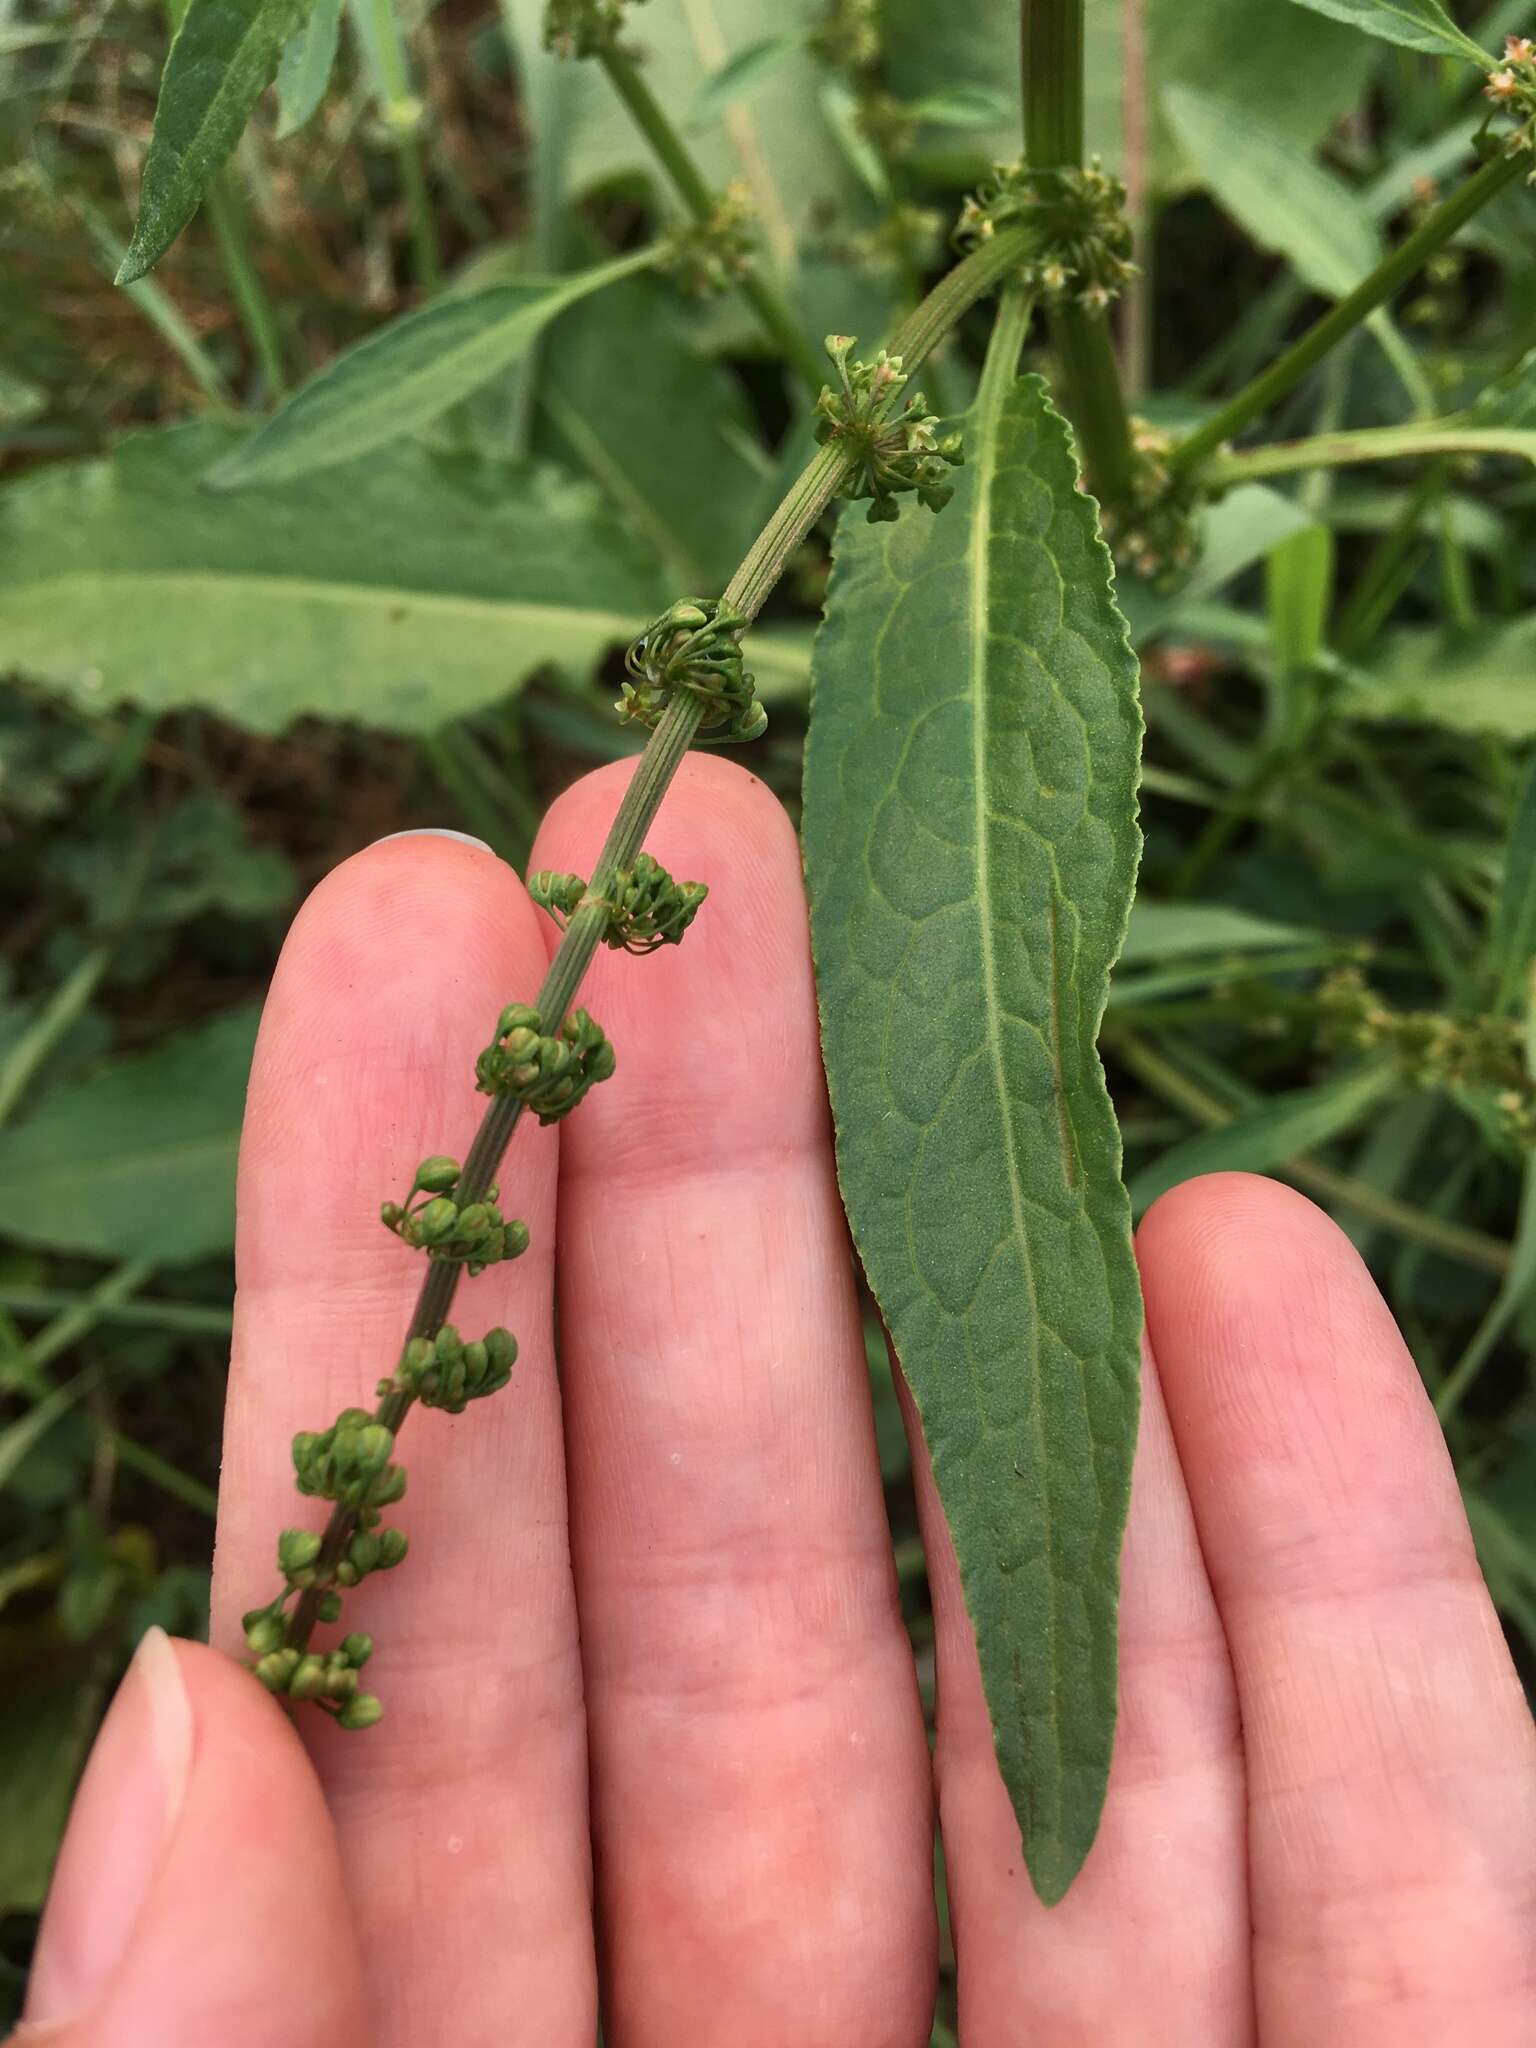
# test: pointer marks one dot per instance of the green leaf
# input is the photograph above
(670, 442)
(1274, 190)
(221, 60)
(137, 1161)
(741, 75)
(1173, 931)
(407, 374)
(960, 106)
(401, 591)
(1299, 577)
(20, 401)
(971, 843)
(304, 70)
(1412, 24)
(45, 1725)
(1263, 1138)
(1478, 684)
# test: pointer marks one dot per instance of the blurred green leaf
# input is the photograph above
(1171, 931)
(1299, 585)
(406, 375)
(221, 60)
(1412, 24)
(304, 70)
(1247, 524)
(741, 75)
(138, 1159)
(400, 591)
(44, 1728)
(1513, 940)
(1261, 1139)
(1271, 187)
(1479, 684)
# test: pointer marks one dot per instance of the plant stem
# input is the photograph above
(672, 153)
(1472, 1247)
(40, 1037)
(1052, 55)
(674, 734)
(402, 114)
(1394, 271)
(1365, 444)
(183, 1318)
(256, 315)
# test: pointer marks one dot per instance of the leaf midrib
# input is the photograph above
(998, 377)
(357, 594)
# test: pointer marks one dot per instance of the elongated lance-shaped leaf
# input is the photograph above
(305, 68)
(222, 59)
(971, 846)
(409, 373)
(1414, 24)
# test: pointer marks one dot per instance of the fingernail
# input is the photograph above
(436, 832)
(124, 1815)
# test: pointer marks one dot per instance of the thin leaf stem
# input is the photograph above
(1052, 60)
(1404, 262)
(1366, 444)
(402, 114)
(675, 158)
(64, 1006)
(256, 314)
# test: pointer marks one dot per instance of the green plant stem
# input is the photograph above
(162, 1473)
(1052, 61)
(1472, 1247)
(672, 153)
(675, 732)
(1365, 444)
(181, 1318)
(256, 314)
(1388, 277)
(43, 1034)
(402, 114)
(1505, 1305)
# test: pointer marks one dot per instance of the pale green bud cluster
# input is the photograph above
(1082, 250)
(695, 646)
(445, 1372)
(350, 1462)
(892, 453)
(645, 907)
(1511, 86)
(1153, 529)
(1484, 1055)
(473, 1234)
(583, 28)
(548, 1073)
(327, 1677)
(712, 255)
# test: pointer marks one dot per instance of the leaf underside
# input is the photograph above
(971, 846)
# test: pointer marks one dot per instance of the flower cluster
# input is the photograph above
(645, 907)
(1484, 1055)
(892, 452)
(1512, 88)
(445, 1372)
(713, 255)
(548, 1072)
(473, 1234)
(583, 28)
(694, 645)
(1153, 530)
(1082, 252)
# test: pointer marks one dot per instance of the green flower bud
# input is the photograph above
(436, 1221)
(308, 1680)
(297, 1550)
(277, 1668)
(362, 1711)
(357, 1649)
(265, 1631)
(330, 1607)
(363, 1553)
(435, 1176)
(393, 1544)
(347, 1574)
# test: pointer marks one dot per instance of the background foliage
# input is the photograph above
(210, 698)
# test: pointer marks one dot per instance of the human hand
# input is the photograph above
(1321, 1825)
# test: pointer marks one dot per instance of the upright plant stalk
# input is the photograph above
(672, 153)
(1388, 277)
(256, 313)
(402, 114)
(835, 465)
(1052, 57)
